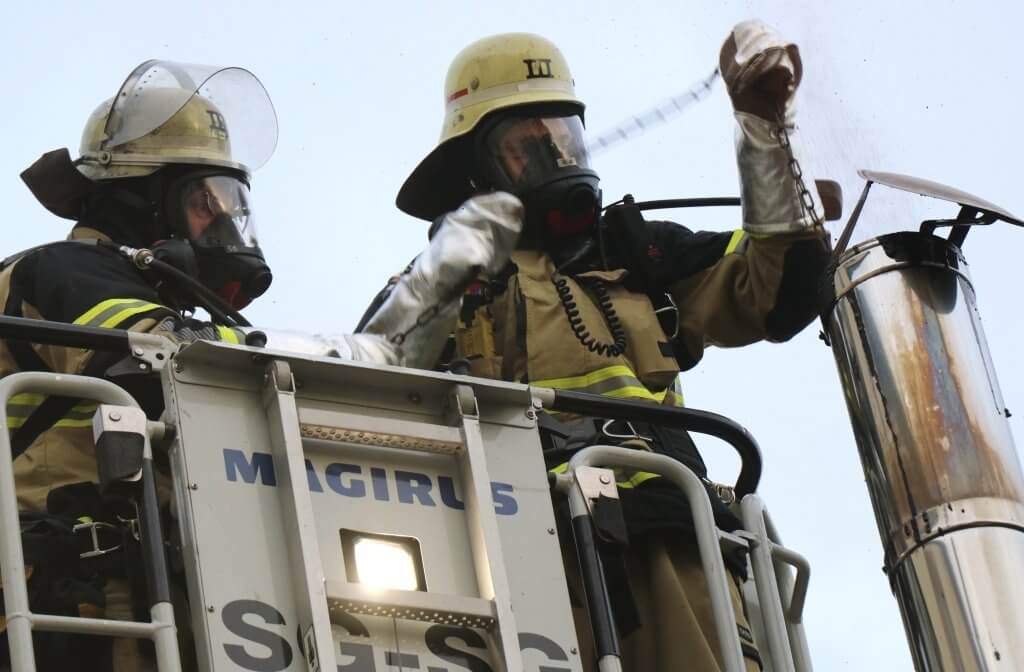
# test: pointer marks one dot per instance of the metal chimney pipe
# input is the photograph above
(936, 448)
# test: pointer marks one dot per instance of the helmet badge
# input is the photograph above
(538, 67)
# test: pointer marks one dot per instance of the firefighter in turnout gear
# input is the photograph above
(163, 224)
(615, 305)
(164, 168)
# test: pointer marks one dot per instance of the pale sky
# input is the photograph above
(926, 88)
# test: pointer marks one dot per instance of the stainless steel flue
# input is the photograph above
(935, 444)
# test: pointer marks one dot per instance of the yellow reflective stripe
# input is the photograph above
(633, 481)
(123, 315)
(112, 312)
(88, 316)
(588, 379)
(635, 392)
(66, 422)
(603, 382)
(22, 406)
(229, 335)
(26, 403)
(636, 479)
(26, 399)
(673, 398)
(16, 422)
(734, 242)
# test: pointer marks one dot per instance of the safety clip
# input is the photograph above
(632, 434)
(94, 528)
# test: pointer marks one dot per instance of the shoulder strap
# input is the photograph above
(24, 355)
(46, 415)
(24, 253)
(54, 408)
(51, 410)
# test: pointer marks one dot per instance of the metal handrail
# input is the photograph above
(20, 619)
(690, 419)
(704, 527)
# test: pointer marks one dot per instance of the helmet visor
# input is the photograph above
(526, 152)
(243, 113)
(218, 213)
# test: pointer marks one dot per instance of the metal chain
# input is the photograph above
(806, 199)
(423, 318)
(652, 117)
(432, 311)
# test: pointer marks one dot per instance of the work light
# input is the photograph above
(383, 561)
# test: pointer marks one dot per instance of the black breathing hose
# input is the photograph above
(218, 308)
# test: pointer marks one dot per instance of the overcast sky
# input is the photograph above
(925, 88)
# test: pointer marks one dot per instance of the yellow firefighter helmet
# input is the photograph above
(176, 113)
(196, 133)
(496, 73)
(164, 113)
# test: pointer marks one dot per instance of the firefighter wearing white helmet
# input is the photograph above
(616, 305)
(164, 223)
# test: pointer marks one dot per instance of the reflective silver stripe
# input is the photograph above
(503, 90)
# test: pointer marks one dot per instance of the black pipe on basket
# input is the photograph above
(59, 333)
(599, 606)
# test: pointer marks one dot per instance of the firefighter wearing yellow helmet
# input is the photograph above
(484, 141)
(164, 223)
(614, 304)
(165, 165)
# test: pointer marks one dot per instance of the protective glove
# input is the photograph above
(477, 239)
(762, 72)
(412, 324)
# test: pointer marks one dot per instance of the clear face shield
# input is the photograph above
(217, 212)
(172, 112)
(543, 160)
(213, 212)
(528, 152)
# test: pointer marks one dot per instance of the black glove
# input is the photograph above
(657, 254)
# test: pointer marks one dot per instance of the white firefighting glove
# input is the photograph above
(413, 323)
(762, 72)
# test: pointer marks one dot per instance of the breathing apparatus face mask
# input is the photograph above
(214, 213)
(543, 161)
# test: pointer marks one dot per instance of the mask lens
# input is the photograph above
(531, 151)
(217, 212)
